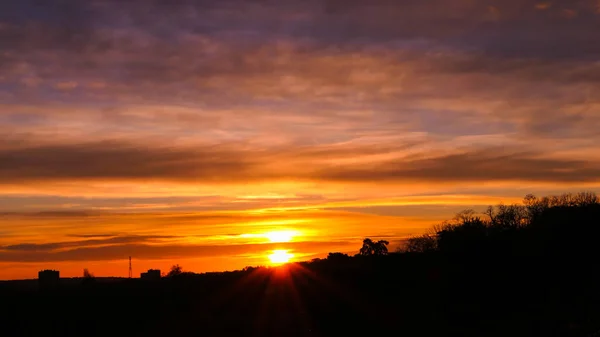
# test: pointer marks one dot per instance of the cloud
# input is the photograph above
(240, 69)
(24, 253)
(331, 20)
(472, 166)
(209, 42)
(66, 85)
(290, 89)
(52, 213)
(235, 163)
(120, 161)
(48, 247)
(92, 235)
(205, 164)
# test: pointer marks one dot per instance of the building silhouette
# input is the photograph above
(48, 278)
(151, 274)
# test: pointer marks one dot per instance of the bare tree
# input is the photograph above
(421, 244)
(466, 215)
(508, 216)
(587, 199)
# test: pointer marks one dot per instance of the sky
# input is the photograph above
(211, 133)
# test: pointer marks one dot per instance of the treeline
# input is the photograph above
(562, 224)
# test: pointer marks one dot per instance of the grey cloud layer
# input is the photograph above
(324, 71)
(226, 164)
(155, 41)
(480, 165)
(456, 21)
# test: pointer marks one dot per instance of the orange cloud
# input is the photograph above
(543, 5)
(232, 163)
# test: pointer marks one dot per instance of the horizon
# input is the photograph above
(273, 254)
(220, 134)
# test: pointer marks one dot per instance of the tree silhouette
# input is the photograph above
(371, 248)
(470, 234)
(87, 274)
(88, 277)
(508, 216)
(338, 257)
(176, 270)
(421, 244)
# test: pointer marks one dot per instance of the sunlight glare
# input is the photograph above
(280, 256)
(280, 236)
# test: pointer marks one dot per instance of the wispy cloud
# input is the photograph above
(237, 163)
(47, 253)
(54, 246)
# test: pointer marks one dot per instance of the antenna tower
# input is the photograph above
(130, 269)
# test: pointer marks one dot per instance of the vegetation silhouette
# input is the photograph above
(88, 278)
(527, 269)
(371, 248)
(176, 270)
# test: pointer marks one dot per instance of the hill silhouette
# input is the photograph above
(527, 269)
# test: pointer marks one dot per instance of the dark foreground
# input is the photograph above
(507, 276)
(397, 294)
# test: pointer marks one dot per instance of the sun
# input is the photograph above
(280, 236)
(280, 256)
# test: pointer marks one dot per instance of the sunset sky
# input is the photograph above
(182, 131)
